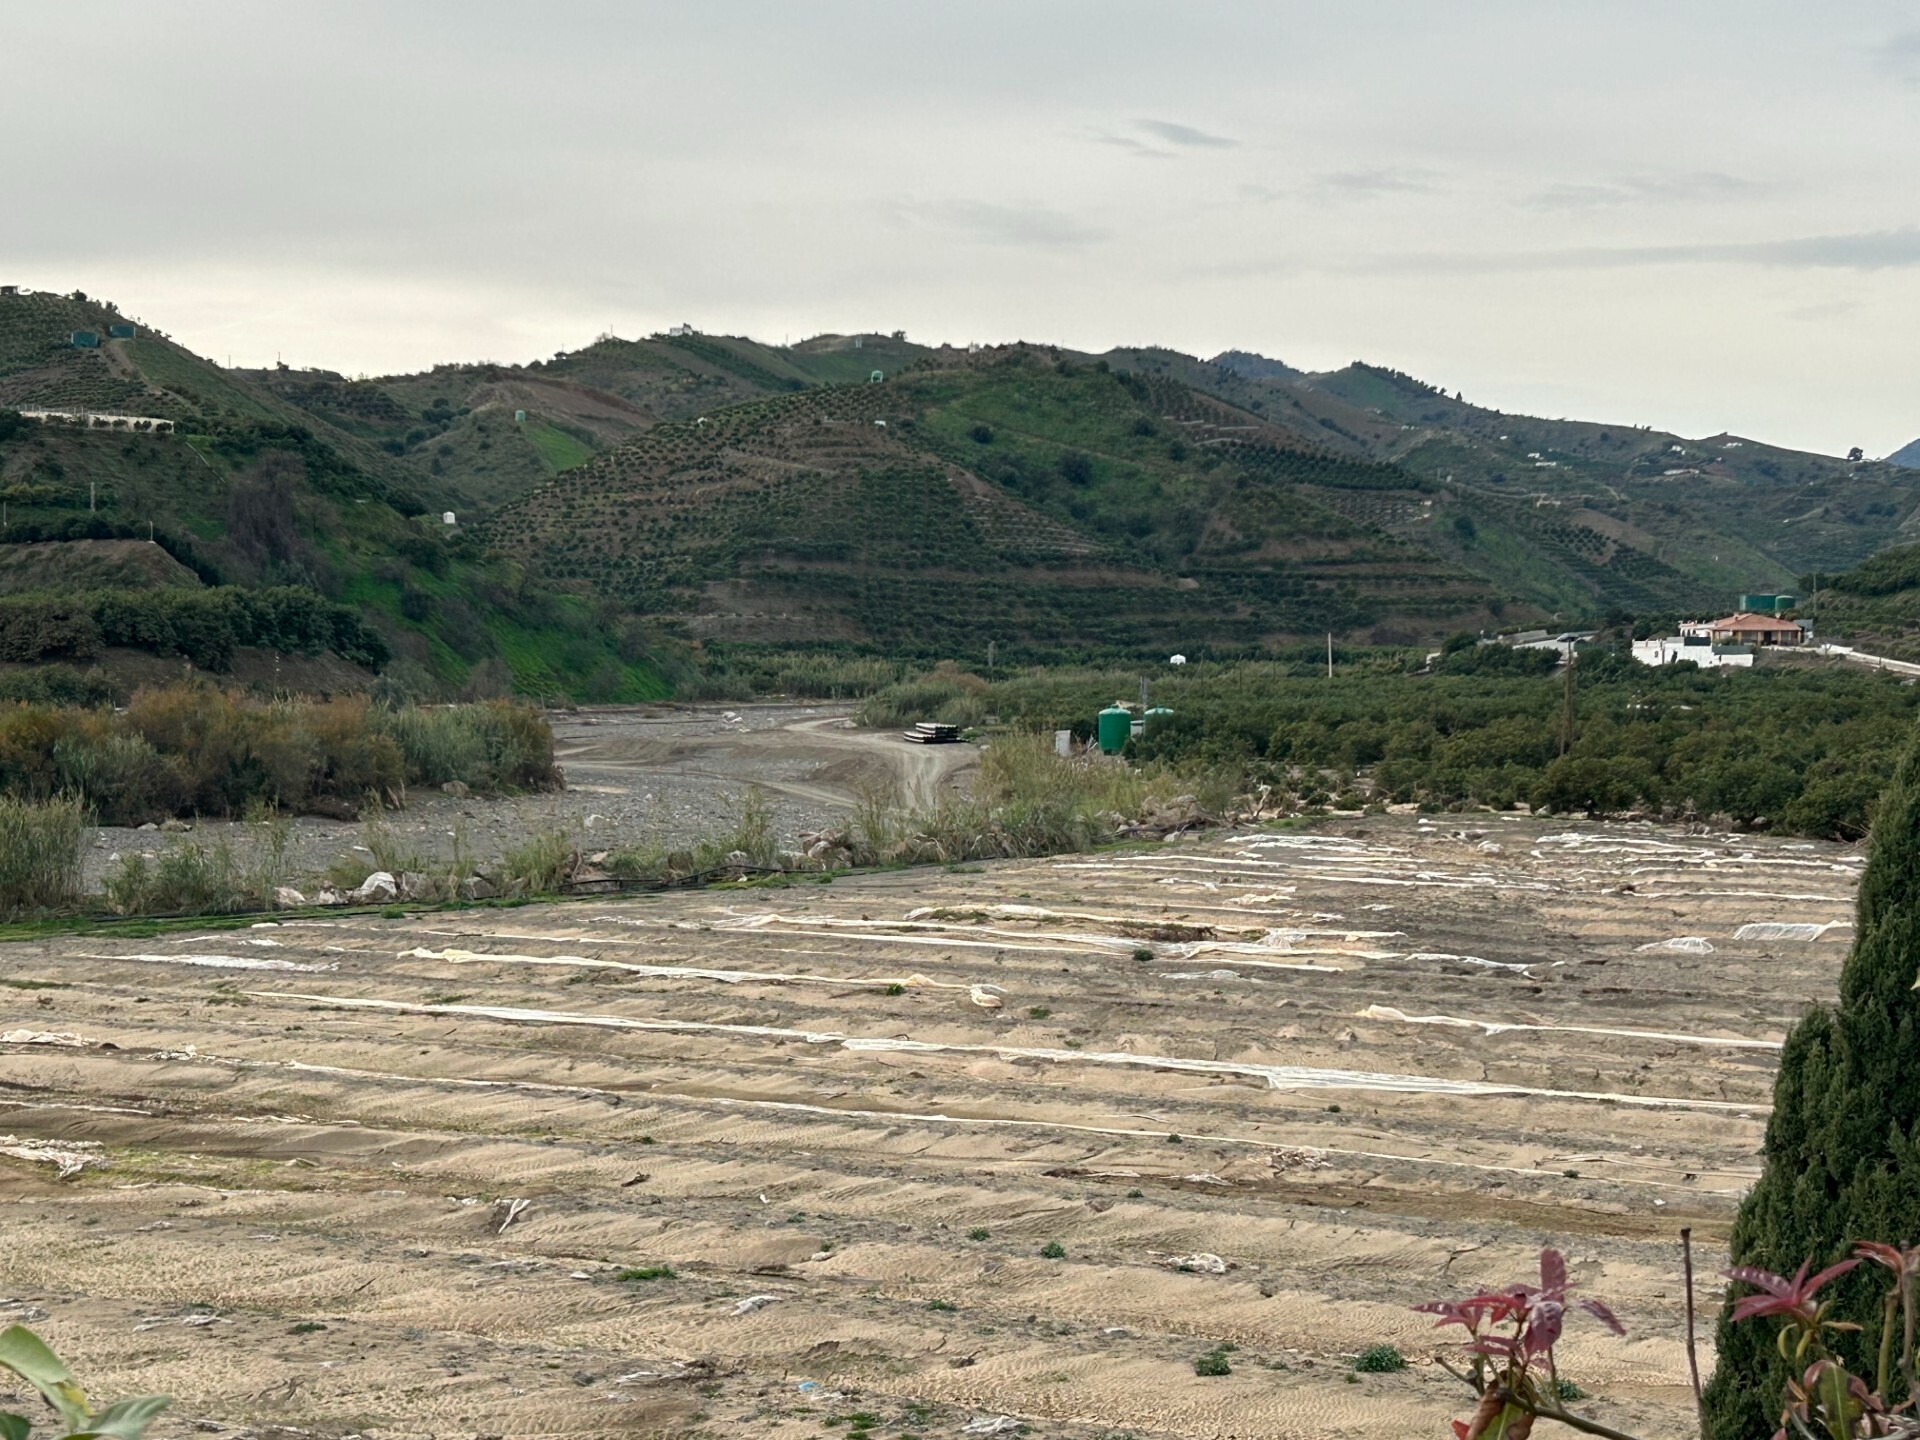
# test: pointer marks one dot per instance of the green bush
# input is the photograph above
(1379, 1360)
(1841, 1158)
(40, 849)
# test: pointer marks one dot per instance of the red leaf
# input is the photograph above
(1553, 1272)
(1601, 1312)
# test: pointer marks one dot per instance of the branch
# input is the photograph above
(1466, 1380)
(1693, 1355)
(1568, 1418)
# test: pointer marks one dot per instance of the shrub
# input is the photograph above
(1053, 1250)
(40, 849)
(1379, 1360)
(1840, 1160)
(1213, 1363)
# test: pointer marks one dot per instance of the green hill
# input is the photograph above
(248, 491)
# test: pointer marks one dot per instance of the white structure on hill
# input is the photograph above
(1692, 650)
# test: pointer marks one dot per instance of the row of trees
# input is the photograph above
(203, 626)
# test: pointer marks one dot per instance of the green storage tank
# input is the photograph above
(1158, 715)
(1113, 725)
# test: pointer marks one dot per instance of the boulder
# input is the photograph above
(329, 896)
(378, 888)
(477, 887)
(285, 897)
(414, 885)
(457, 789)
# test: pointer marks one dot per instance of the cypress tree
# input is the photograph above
(1842, 1156)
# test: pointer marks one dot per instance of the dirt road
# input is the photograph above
(759, 1162)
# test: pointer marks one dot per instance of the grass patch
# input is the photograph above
(1379, 1360)
(647, 1272)
(40, 844)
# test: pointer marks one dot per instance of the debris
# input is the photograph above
(515, 1208)
(1295, 1157)
(1205, 1177)
(1782, 930)
(753, 1303)
(377, 889)
(991, 1425)
(987, 997)
(68, 1157)
(41, 1037)
(1201, 1262)
(1682, 945)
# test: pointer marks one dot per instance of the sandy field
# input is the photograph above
(783, 1162)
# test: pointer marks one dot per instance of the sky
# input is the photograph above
(1701, 217)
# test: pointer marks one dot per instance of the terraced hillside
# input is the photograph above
(1724, 508)
(460, 422)
(1012, 496)
(248, 489)
(916, 1150)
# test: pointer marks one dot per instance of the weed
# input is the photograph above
(977, 1233)
(1053, 1250)
(1214, 1362)
(40, 844)
(647, 1272)
(941, 1305)
(1038, 1012)
(1142, 953)
(896, 989)
(305, 1327)
(1379, 1360)
(1565, 1389)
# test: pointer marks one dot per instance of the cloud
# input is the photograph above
(1865, 250)
(1186, 136)
(1899, 56)
(1700, 187)
(1139, 149)
(1371, 184)
(1023, 226)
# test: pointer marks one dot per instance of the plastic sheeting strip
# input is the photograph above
(1278, 1077)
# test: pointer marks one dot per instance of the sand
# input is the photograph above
(382, 1177)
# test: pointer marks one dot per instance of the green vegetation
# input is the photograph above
(1053, 1250)
(647, 1272)
(1379, 1360)
(203, 626)
(192, 879)
(1797, 750)
(40, 843)
(26, 1355)
(1841, 1161)
(194, 749)
(1214, 1363)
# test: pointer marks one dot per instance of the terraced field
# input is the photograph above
(764, 1161)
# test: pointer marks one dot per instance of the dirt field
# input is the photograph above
(311, 1139)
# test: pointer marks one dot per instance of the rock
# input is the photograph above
(285, 897)
(149, 826)
(329, 896)
(457, 789)
(378, 888)
(174, 826)
(477, 887)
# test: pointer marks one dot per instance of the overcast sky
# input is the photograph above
(1701, 216)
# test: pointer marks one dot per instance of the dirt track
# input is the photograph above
(327, 1124)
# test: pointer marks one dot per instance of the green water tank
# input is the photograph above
(1158, 715)
(1113, 725)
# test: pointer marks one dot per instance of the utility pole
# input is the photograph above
(1566, 704)
(1329, 654)
(92, 498)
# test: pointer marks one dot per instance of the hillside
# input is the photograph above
(1907, 456)
(1723, 507)
(248, 491)
(1016, 497)
(461, 423)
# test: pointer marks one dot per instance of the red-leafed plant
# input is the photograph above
(1511, 1336)
(1512, 1333)
(1824, 1400)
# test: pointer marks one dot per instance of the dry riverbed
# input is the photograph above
(758, 1162)
(635, 776)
